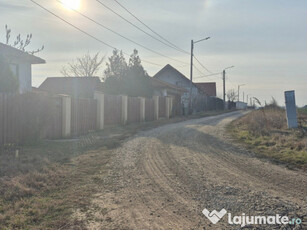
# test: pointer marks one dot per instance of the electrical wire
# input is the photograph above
(122, 36)
(137, 27)
(86, 33)
(160, 36)
(202, 64)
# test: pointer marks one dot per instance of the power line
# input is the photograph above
(202, 64)
(160, 36)
(122, 36)
(213, 74)
(203, 75)
(137, 27)
(84, 32)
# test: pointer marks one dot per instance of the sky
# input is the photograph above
(264, 40)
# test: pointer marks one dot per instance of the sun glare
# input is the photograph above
(71, 4)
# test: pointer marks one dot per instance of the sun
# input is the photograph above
(71, 4)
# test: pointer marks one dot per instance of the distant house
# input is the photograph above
(21, 65)
(208, 87)
(172, 76)
(162, 88)
(241, 105)
(74, 86)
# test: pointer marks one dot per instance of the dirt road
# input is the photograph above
(165, 177)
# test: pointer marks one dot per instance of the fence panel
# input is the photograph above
(2, 133)
(112, 109)
(40, 116)
(162, 106)
(215, 104)
(83, 115)
(29, 117)
(149, 109)
(133, 110)
(10, 122)
(54, 123)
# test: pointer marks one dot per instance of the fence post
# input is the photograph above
(167, 107)
(291, 109)
(142, 109)
(66, 115)
(124, 116)
(99, 96)
(156, 107)
(2, 119)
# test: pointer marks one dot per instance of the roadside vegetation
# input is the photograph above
(265, 132)
(42, 183)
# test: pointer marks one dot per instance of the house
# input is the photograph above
(21, 65)
(241, 105)
(208, 87)
(162, 88)
(83, 87)
(172, 76)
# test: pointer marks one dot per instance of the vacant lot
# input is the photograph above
(265, 132)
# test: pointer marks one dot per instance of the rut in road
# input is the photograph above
(165, 177)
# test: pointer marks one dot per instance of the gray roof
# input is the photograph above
(15, 55)
(73, 86)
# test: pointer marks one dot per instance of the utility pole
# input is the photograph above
(191, 71)
(224, 87)
(239, 92)
(243, 96)
(191, 76)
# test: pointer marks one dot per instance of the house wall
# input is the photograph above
(176, 79)
(241, 105)
(25, 79)
(24, 73)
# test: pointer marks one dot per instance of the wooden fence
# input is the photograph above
(29, 117)
(133, 110)
(112, 109)
(83, 115)
(162, 106)
(34, 116)
(149, 109)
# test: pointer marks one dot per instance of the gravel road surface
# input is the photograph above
(163, 179)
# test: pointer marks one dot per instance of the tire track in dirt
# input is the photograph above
(163, 178)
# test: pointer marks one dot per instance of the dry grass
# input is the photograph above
(41, 185)
(265, 131)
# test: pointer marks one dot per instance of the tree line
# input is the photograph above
(120, 77)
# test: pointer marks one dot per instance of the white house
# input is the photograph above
(241, 105)
(21, 65)
(171, 75)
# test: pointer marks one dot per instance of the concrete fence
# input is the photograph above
(35, 116)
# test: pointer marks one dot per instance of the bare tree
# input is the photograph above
(85, 66)
(231, 95)
(20, 43)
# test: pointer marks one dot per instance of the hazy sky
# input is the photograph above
(265, 40)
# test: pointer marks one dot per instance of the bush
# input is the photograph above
(263, 121)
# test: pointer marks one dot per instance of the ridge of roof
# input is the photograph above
(168, 66)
